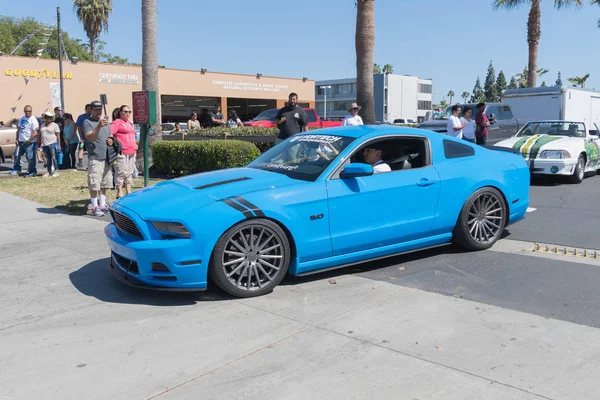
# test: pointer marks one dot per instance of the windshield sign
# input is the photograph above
(570, 129)
(303, 156)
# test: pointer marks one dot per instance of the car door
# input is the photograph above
(382, 209)
(508, 124)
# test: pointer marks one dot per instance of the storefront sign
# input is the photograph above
(118, 78)
(42, 73)
(250, 86)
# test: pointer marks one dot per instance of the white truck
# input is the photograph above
(554, 103)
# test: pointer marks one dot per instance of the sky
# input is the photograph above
(451, 42)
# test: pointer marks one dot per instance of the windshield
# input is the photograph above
(560, 128)
(267, 115)
(303, 156)
(448, 111)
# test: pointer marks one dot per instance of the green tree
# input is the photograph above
(579, 80)
(465, 96)
(478, 94)
(443, 104)
(451, 95)
(534, 28)
(364, 42)
(522, 78)
(490, 89)
(388, 69)
(559, 81)
(513, 83)
(501, 84)
(543, 84)
(376, 69)
(93, 15)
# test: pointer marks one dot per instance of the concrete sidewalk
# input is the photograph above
(69, 331)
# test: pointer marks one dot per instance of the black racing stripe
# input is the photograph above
(251, 206)
(221, 183)
(235, 205)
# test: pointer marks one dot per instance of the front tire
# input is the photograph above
(251, 258)
(481, 221)
(579, 173)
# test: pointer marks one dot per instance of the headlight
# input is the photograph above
(171, 230)
(555, 154)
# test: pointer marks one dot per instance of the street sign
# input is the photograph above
(144, 107)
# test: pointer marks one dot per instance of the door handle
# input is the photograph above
(425, 182)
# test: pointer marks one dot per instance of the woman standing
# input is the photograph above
(353, 118)
(122, 130)
(50, 135)
(71, 139)
(469, 130)
(233, 121)
(193, 122)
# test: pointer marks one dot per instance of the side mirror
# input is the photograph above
(492, 118)
(356, 170)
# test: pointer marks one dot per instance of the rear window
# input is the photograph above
(457, 150)
(311, 116)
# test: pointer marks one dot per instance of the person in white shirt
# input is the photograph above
(26, 139)
(353, 118)
(372, 156)
(469, 130)
(455, 127)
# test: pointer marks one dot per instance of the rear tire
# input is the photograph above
(579, 172)
(251, 258)
(481, 221)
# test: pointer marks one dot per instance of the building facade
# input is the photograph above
(396, 97)
(25, 80)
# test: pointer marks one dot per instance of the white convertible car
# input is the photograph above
(558, 147)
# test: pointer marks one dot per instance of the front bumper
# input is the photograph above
(553, 166)
(157, 264)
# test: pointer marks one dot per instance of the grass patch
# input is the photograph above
(67, 192)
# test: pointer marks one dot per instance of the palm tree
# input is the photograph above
(93, 14)
(598, 3)
(376, 69)
(443, 104)
(534, 28)
(579, 80)
(150, 69)
(465, 96)
(388, 69)
(451, 95)
(365, 45)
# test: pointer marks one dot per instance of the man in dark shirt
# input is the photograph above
(483, 123)
(217, 116)
(291, 119)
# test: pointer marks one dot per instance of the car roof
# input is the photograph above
(559, 121)
(372, 130)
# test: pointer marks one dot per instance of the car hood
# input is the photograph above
(434, 125)
(194, 191)
(532, 145)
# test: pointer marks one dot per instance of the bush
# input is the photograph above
(239, 131)
(190, 157)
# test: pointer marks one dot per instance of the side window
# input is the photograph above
(506, 113)
(311, 116)
(457, 150)
(493, 110)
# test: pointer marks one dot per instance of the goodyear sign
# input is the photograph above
(34, 73)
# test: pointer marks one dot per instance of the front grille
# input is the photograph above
(129, 265)
(125, 224)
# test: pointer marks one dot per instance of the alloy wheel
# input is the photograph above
(485, 218)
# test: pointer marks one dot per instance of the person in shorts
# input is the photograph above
(96, 130)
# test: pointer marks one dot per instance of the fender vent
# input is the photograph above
(221, 183)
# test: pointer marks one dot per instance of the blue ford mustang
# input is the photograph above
(317, 201)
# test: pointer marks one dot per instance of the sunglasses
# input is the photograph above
(126, 112)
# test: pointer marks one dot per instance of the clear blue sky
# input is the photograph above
(449, 41)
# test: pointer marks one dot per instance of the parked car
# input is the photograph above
(266, 119)
(558, 148)
(169, 127)
(312, 203)
(7, 142)
(404, 121)
(503, 123)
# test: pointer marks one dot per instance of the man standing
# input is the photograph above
(96, 131)
(455, 127)
(79, 125)
(28, 129)
(483, 123)
(217, 117)
(291, 119)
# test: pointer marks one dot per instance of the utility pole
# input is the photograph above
(60, 60)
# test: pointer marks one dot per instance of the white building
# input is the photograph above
(396, 97)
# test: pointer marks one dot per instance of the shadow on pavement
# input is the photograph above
(95, 280)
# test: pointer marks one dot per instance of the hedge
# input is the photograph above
(190, 157)
(239, 131)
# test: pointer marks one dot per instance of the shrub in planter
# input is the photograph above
(239, 131)
(190, 157)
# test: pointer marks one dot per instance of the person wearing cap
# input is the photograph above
(49, 140)
(353, 118)
(26, 138)
(373, 155)
(96, 130)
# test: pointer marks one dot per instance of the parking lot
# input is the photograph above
(507, 323)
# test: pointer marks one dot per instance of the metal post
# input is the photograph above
(325, 112)
(144, 132)
(60, 61)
